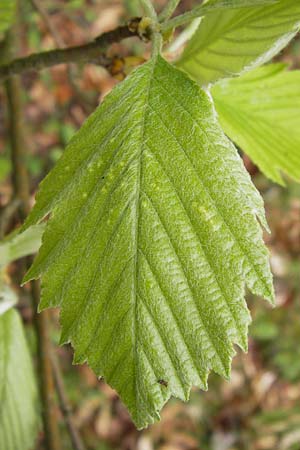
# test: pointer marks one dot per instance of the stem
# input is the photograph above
(53, 31)
(65, 406)
(149, 9)
(169, 9)
(184, 36)
(18, 153)
(6, 214)
(94, 51)
(156, 44)
(60, 43)
(47, 387)
(21, 191)
(177, 21)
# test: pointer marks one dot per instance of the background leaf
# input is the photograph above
(230, 42)
(146, 260)
(19, 245)
(260, 112)
(8, 297)
(7, 13)
(18, 393)
(16, 246)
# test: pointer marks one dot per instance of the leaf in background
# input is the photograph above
(20, 245)
(133, 7)
(142, 253)
(8, 297)
(260, 113)
(5, 168)
(7, 13)
(18, 393)
(230, 42)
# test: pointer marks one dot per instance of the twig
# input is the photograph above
(60, 43)
(21, 191)
(6, 213)
(18, 153)
(65, 406)
(92, 52)
(47, 387)
(48, 22)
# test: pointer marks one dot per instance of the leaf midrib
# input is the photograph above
(136, 230)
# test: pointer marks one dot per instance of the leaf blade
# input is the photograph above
(259, 112)
(137, 303)
(231, 42)
(18, 393)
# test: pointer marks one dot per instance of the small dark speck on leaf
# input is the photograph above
(163, 383)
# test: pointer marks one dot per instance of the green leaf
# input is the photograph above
(133, 7)
(7, 14)
(211, 7)
(8, 297)
(19, 245)
(16, 246)
(18, 393)
(260, 112)
(142, 253)
(230, 42)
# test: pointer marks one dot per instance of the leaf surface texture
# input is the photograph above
(146, 260)
(230, 42)
(260, 112)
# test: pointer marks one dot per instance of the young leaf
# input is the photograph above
(260, 112)
(7, 12)
(153, 234)
(19, 245)
(18, 393)
(230, 42)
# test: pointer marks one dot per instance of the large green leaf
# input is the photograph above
(260, 112)
(230, 42)
(18, 393)
(7, 12)
(142, 253)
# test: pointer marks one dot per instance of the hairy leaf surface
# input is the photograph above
(260, 112)
(153, 234)
(18, 393)
(230, 42)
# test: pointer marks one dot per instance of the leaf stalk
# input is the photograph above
(168, 11)
(202, 10)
